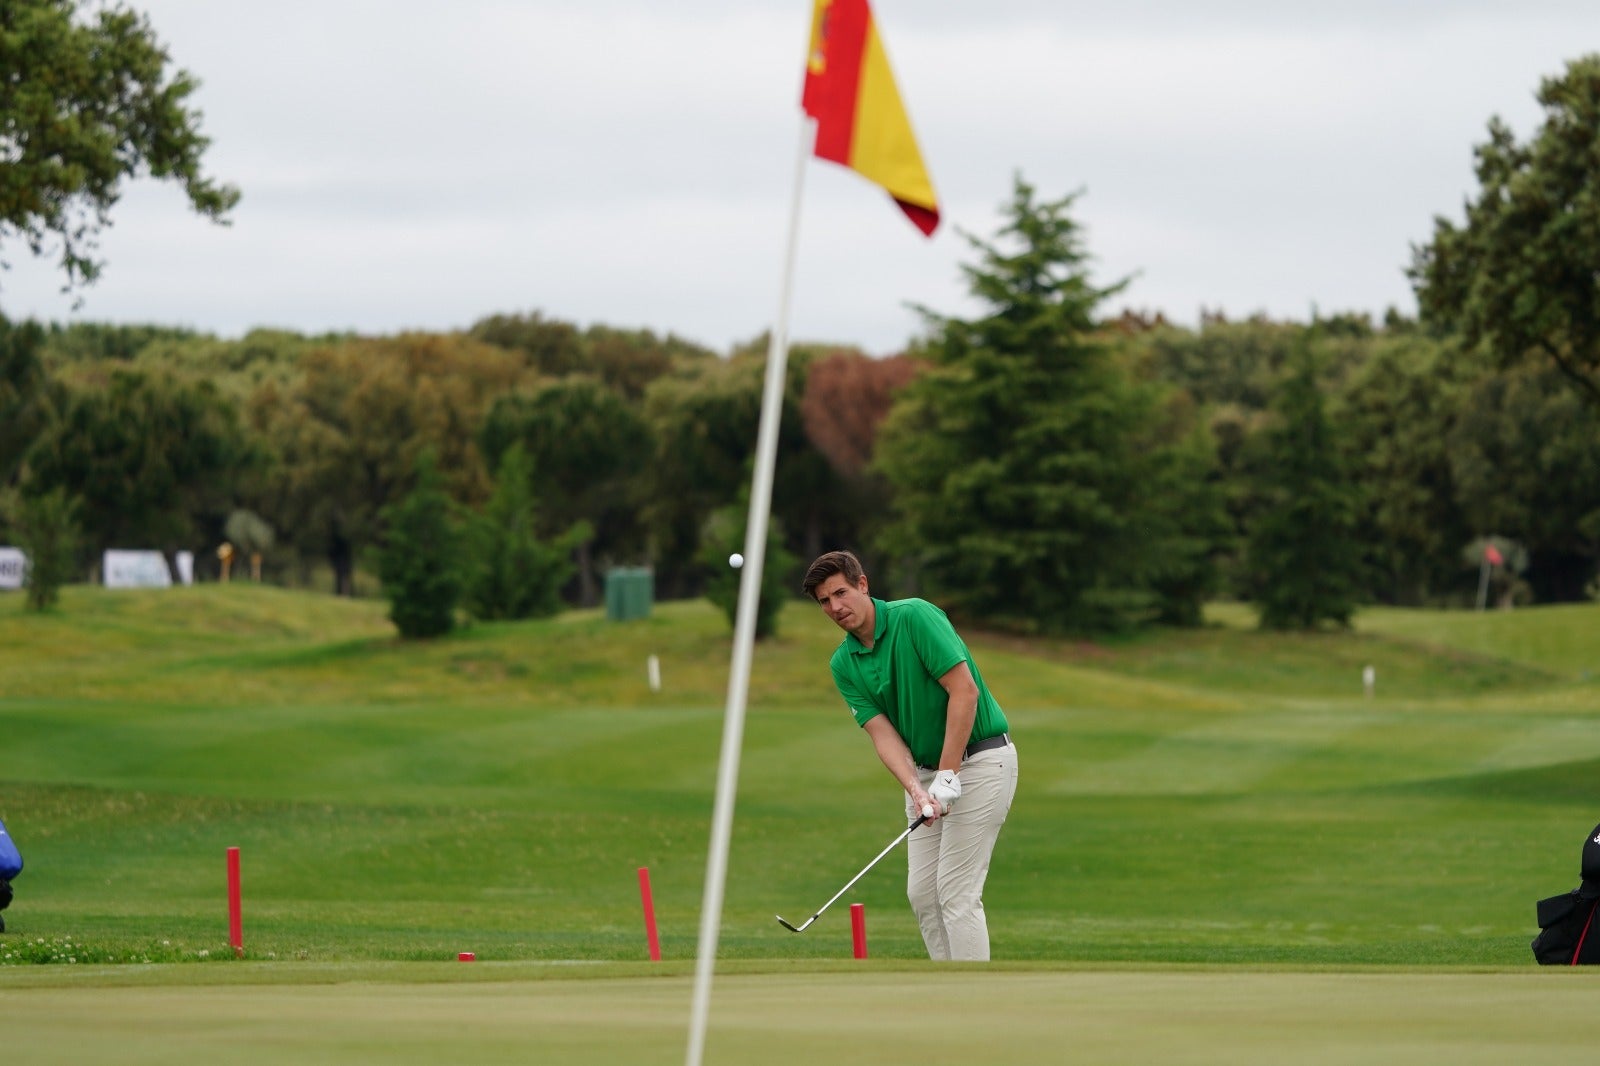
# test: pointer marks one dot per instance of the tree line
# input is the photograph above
(1041, 466)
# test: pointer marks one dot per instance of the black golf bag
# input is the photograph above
(10, 866)
(1568, 933)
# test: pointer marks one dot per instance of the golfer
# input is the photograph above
(912, 685)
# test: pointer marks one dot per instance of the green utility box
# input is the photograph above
(629, 592)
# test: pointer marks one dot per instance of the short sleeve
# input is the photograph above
(935, 640)
(861, 706)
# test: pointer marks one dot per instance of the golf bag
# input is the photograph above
(1568, 933)
(10, 866)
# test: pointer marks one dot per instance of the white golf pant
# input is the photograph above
(949, 859)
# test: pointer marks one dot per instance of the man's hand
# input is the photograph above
(945, 789)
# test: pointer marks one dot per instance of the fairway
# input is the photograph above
(515, 1013)
(1222, 849)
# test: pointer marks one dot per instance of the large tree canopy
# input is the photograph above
(1027, 464)
(1520, 276)
(88, 99)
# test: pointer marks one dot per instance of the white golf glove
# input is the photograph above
(945, 790)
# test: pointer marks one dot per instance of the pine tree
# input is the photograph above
(1023, 463)
(420, 564)
(511, 573)
(1304, 558)
(48, 533)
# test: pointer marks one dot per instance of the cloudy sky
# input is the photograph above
(420, 165)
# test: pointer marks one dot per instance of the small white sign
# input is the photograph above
(13, 568)
(136, 570)
(185, 561)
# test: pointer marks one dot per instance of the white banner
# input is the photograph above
(135, 570)
(13, 568)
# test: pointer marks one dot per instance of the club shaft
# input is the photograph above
(892, 845)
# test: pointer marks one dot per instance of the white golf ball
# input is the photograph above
(736, 560)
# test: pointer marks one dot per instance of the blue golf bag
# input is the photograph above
(10, 866)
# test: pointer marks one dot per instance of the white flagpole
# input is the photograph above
(744, 629)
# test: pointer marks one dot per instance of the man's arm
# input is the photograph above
(896, 757)
(960, 713)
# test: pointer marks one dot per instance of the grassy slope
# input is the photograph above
(1219, 795)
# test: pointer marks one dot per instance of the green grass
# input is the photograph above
(862, 1015)
(1216, 797)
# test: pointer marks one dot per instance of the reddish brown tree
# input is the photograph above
(847, 396)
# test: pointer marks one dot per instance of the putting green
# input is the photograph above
(519, 1013)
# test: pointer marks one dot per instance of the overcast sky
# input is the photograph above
(412, 165)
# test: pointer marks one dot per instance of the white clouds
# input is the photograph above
(421, 165)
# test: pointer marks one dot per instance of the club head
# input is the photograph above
(796, 928)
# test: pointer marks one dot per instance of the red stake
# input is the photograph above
(235, 916)
(649, 914)
(858, 928)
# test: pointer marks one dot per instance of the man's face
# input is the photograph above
(848, 605)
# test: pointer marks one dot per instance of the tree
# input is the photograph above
(550, 346)
(1519, 276)
(420, 562)
(1399, 413)
(153, 461)
(848, 395)
(22, 394)
(1304, 558)
(723, 536)
(345, 435)
(89, 99)
(588, 451)
(47, 530)
(705, 423)
(1023, 459)
(510, 572)
(1525, 460)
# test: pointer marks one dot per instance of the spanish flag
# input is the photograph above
(861, 123)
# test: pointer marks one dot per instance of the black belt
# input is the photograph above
(987, 744)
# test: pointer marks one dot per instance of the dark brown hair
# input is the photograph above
(844, 563)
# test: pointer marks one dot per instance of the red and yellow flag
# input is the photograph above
(861, 122)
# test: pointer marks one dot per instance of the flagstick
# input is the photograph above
(744, 630)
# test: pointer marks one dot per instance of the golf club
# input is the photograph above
(927, 812)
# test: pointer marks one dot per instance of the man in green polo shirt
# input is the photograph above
(912, 686)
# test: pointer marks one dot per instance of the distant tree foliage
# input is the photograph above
(1525, 459)
(420, 562)
(47, 531)
(705, 423)
(1399, 414)
(724, 534)
(1519, 276)
(625, 360)
(1304, 558)
(344, 438)
(509, 571)
(589, 453)
(89, 99)
(153, 461)
(23, 407)
(847, 397)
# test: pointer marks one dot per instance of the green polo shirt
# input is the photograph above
(913, 645)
